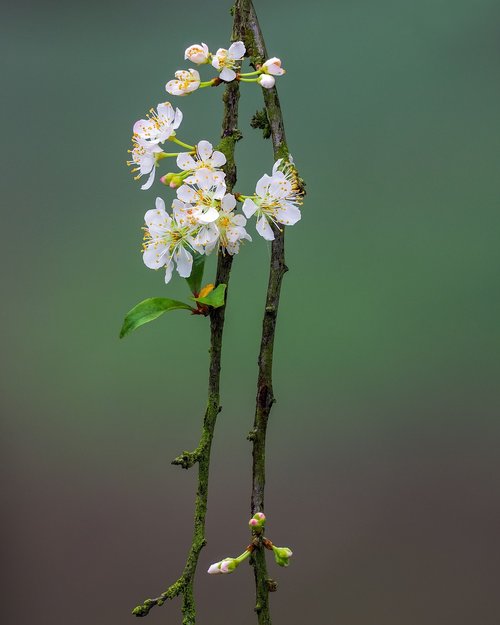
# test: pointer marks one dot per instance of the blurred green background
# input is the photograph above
(383, 447)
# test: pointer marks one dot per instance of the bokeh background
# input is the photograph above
(383, 462)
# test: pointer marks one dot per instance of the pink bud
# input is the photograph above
(253, 522)
(214, 569)
(259, 515)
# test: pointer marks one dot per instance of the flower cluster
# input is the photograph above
(227, 63)
(149, 133)
(203, 215)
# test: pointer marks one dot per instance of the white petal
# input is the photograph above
(228, 202)
(219, 177)
(214, 569)
(177, 119)
(239, 220)
(185, 161)
(264, 229)
(155, 255)
(236, 50)
(277, 165)
(208, 216)
(280, 188)
(166, 111)
(168, 271)
(220, 190)
(263, 185)
(249, 207)
(288, 214)
(204, 178)
(184, 262)
(186, 194)
(160, 204)
(172, 87)
(227, 74)
(149, 183)
(204, 149)
(218, 159)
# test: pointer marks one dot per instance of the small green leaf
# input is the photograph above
(148, 310)
(215, 298)
(196, 276)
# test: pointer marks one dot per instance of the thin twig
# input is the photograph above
(256, 49)
(201, 455)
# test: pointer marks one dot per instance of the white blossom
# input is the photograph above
(204, 158)
(186, 81)
(228, 230)
(144, 156)
(197, 53)
(276, 200)
(159, 125)
(266, 81)
(273, 66)
(225, 60)
(203, 194)
(166, 241)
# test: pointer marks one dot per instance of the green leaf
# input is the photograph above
(215, 298)
(196, 276)
(148, 310)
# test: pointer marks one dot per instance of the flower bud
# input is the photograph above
(198, 53)
(167, 178)
(257, 522)
(266, 81)
(282, 555)
(224, 566)
(273, 66)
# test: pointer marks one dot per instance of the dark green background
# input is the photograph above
(383, 446)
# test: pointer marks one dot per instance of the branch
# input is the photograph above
(201, 455)
(272, 124)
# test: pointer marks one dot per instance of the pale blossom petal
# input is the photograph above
(160, 204)
(249, 207)
(204, 149)
(218, 159)
(264, 229)
(288, 214)
(149, 182)
(204, 178)
(236, 50)
(280, 188)
(184, 262)
(155, 255)
(263, 185)
(185, 161)
(228, 202)
(239, 220)
(169, 267)
(208, 216)
(228, 75)
(166, 110)
(186, 194)
(214, 569)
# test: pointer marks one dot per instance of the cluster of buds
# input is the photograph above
(228, 63)
(257, 523)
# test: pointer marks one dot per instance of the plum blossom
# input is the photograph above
(159, 125)
(186, 81)
(144, 156)
(166, 241)
(273, 66)
(205, 158)
(228, 230)
(203, 194)
(276, 200)
(225, 60)
(198, 53)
